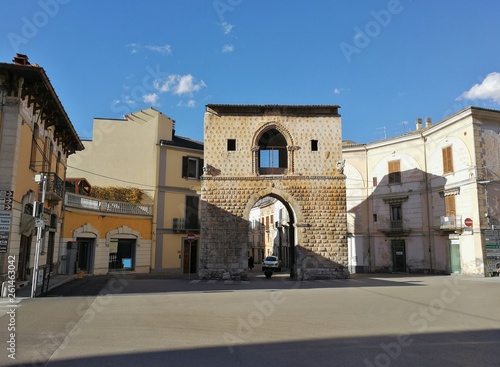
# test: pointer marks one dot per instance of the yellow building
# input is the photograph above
(103, 236)
(142, 151)
(36, 138)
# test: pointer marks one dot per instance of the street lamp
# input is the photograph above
(39, 223)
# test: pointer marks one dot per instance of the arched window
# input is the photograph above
(273, 154)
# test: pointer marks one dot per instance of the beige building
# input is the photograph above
(36, 139)
(427, 201)
(142, 151)
(289, 153)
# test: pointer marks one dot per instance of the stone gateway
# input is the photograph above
(290, 152)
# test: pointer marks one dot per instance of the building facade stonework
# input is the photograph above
(291, 153)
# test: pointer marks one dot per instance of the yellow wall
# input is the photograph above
(174, 166)
(25, 179)
(105, 223)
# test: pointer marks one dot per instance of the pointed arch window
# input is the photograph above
(273, 153)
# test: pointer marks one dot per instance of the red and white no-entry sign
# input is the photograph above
(191, 237)
(468, 222)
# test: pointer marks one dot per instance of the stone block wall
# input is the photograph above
(313, 188)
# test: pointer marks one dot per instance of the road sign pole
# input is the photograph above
(34, 282)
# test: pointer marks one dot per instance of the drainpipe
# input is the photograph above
(428, 195)
(369, 202)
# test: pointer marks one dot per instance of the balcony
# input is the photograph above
(106, 206)
(394, 228)
(450, 223)
(55, 188)
(180, 225)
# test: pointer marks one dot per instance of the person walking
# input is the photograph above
(250, 262)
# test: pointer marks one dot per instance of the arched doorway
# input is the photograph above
(272, 232)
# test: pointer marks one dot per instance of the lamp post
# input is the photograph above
(38, 214)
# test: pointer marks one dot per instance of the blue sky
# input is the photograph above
(385, 62)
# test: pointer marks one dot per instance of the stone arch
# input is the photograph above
(279, 194)
(123, 232)
(269, 126)
(287, 166)
(87, 230)
(294, 213)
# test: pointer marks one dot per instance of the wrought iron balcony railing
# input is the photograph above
(183, 225)
(394, 228)
(55, 188)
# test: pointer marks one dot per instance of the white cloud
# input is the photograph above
(176, 84)
(134, 47)
(488, 89)
(227, 27)
(151, 98)
(227, 48)
(191, 104)
(165, 49)
(165, 85)
(336, 91)
(162, 49)
(187, 86)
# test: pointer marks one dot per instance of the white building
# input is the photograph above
(423, 201)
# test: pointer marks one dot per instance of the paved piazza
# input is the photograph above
(368, 320)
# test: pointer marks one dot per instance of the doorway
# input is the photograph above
(24, 258)
(271, 221)
(122, 254)
(190, 257)
(398, 256)
(85, 254)
(455, 257)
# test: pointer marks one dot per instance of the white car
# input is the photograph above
(271, 263)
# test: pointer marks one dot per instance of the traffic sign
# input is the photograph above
(6, 194)
(191, 237)
(468, 222)
(5, 207)
(6, 200)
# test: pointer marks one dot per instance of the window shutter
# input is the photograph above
(185, 166)
(200, 168)
(447, 160)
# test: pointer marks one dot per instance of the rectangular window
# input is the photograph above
(396, 217)
(394, 172)
(191, 213)
(231, 145)
(374, 179)
(375, 218)
(192, 167)
(447, 160)
(269, 158)
(314, 145)
(449, 203)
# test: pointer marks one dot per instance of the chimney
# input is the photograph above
(428, 122)
(20, 59)
(418, 124)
